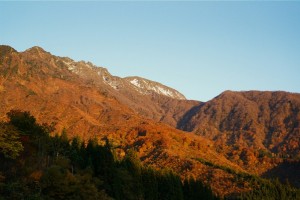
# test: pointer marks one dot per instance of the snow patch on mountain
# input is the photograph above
(161, 90)
(135, 82)
(70, 66)
(144, 86)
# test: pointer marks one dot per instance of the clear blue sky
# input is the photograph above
(199, 48)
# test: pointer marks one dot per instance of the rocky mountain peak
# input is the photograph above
(37, 52)
(98, 75)
(145, 86)
(5, 49)
(35, 49)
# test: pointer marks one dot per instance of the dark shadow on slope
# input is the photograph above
(182, 124)
(288, 171)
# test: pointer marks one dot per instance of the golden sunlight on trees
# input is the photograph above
(10, 146)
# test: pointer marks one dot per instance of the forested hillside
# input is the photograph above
(35, 165)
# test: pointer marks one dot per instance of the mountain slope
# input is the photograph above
(148, 98)
(234, 133)
(45, 85)
(250, 125)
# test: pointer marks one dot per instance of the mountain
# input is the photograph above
(225, 142)
(147, 98)
(251, 125)
(88, 71)
(73, 96)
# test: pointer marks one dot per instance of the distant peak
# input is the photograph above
(229, 92)
(36, 49)
(4, 49)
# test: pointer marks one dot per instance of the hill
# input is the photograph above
(257, 130)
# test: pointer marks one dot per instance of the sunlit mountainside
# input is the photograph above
(230, 143)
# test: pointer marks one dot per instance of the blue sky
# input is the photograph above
(199, 48)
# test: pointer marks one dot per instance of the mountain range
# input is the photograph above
(251, 132)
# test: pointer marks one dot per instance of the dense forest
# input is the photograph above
(35, 165)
